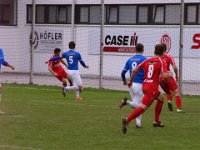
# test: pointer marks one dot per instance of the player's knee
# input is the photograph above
(143, 106)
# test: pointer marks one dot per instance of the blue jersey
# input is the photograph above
(131, 63)
(72, 57)
(2, 61)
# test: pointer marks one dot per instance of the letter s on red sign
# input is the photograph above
(196, 40)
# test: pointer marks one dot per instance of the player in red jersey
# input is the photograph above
(57, 70)
(153, 68)
(170, 86)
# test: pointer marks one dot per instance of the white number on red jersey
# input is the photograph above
(150, 71)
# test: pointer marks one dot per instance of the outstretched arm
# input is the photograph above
(6, 64)
(10, 66)
(63, 62)
(83, 64)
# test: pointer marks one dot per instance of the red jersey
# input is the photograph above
(168, 59)
(153, 67)
(54, 64)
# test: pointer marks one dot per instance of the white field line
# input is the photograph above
(18, 147)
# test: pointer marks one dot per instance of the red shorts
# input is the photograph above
(62, 74)
(150, 94)
(169, 85)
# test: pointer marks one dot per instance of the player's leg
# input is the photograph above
(165, 86)
(178, 101)
(78, 82)
(134, 93)
(146, 102)
(158, 109)
(71, 75)
(174, 88)
(1, 89)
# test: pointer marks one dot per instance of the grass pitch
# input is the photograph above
(39, 118)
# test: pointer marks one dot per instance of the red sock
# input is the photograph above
(169, 97)
(178, 102)
(135, 113)
(158, 109)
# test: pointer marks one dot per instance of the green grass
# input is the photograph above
(39, 118)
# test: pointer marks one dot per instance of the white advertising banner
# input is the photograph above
(123, 40)
(45, 41)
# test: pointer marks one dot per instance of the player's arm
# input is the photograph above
(165, 73)
(174, 67)
(6, 64)
(123, 73)
(63, 62)
(82, 62)
(176, 71)
(51, 70)
(133, 75)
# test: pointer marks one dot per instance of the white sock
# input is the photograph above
(71, 88)
(77, 93)
(138, 120)
(133, 104)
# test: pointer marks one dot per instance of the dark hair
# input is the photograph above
(72, 45)
(165, 47)
(139, 47)
(159, 49)
(57, 50)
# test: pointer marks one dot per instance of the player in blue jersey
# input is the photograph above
(6, 64)
(136, 89)
(73, 58)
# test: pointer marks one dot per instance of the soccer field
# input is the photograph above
(39, 118)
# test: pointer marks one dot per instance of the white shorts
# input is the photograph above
(136, 92)
(75, 76)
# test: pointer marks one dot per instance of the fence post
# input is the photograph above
(72, 21)
(32, 40)
(181, 49)
(101, 45)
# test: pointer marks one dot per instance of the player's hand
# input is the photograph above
(87, 67)
(176, 79)
(125, 83)
(12, 68)
(129, 85)
(55, 74)
(46, 62)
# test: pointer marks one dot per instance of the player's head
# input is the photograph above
(57, 51)
(139, 48)
(159, 50)
(72, 45)
(165, 47)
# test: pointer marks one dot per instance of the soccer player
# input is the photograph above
(6, 64)
(170, 86)
(57, 70)
(136, 88)
(153, 68)
(73, 57)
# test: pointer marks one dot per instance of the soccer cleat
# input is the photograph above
(179, 111)
(158, 124)
(124, 125)
(63, 91)
(1, 112)
(79, 98)
(170, 106)
(138, 126)
(123, 102)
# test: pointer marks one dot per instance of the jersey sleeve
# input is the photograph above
(141, 66)
(79, 57)
(163, 66)
(126, 67)
(171, 60)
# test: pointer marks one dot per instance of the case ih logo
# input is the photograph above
(120, 43)
(167, 40)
